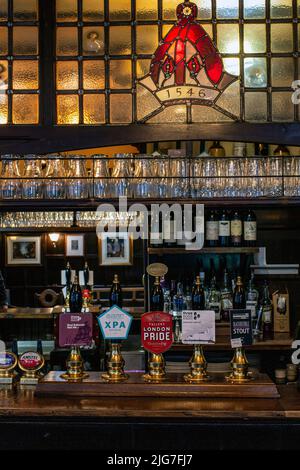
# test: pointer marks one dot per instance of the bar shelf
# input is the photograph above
(214, 250)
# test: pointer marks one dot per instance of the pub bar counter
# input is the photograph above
(149, 225)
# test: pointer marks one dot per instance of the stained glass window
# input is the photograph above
(19, 62)
(124, 61)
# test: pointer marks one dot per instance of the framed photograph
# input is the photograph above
(23, 250)
(115, 249)
(75, 245)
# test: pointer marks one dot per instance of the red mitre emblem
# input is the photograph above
(187, 65)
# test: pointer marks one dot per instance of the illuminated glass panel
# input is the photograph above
(124, 61)
(19, 62)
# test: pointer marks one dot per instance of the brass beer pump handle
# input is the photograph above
(239, 367)
(198, 366)
(156, 366)
(75, 370)
(115, 365)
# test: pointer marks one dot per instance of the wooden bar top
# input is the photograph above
(22, 402)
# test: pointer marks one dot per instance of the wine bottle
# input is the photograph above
(68, 273)
(252, 296)
(236, 229)
(198, 295)
(214, 295)
(86, 275)
(115, 297)
(239, 297)
(75, 297)
(250, 229)
(224, 229)
(157, 297)
(261, 150)
(226, 297)
(212, 229)
(267, 314)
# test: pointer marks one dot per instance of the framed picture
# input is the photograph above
(115, 249)
(75, 245)
(23, 250)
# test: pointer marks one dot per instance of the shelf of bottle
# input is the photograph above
(281, 341)
(215, 250)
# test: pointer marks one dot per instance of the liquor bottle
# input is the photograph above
(239, 296)
(178, 301)
(75, 297)
(188, 296)
(115, 297)
(236, 229)
(261, 150)
(214, 296)
(212, 229)
(157, 297)
(86, 293)
(216, 150)
(68, 273)
(156, 233)
(267, 314)
(224, 229)
(169, 231)
(250, 229)
(198, 295)
(86, 275)
(252, 296)
(226, 297)
(282, 151)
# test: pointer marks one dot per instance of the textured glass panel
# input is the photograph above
(282, 71)
(281, 8)
(3, 10)
(146, 102)
(67, 41)
(93, 40)
(3, 41)
(120, 74)
(169, 9)
(66, 10)
(175, 114)
(146, 39)
(146, 10)
(93, 10)
(282, 37)
(3, 75)
(256, 107)
(94, 109)
(142, 67)
(25, 75)
(67, 109)
(25, 109)
(254, 38)
(254, 9)
(25, 40)
(25, 10)
(67, 75)
(206, 114)
(120, 10)
(120, 40)
(232, 65)
(255, 70)
(282, 106)
(227, 10)
(120, 109)
(228, 38)
(3, 108)
(93, 75)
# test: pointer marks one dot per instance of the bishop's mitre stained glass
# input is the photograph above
(186, 69)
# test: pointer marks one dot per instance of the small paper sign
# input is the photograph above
(75, 329)
(240, 328)
(115, 323)
(157, 331)
(198, 327)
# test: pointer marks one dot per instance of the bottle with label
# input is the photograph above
(68, 273)
(224, 229)
(239, 296)
(169, 231)
(115, 296)
(236, 229)
(157, 297)
(250, 229)
(214, 297)
(261, 150)
(198, 295)
(212, 229)
(75, 297)
(252, 297)
(188, 296)
(86, 290)
(267, 314)
(178, 306)
(226, 297)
